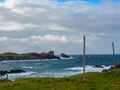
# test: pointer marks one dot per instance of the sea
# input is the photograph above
(63, 67)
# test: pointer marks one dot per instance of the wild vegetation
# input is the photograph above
(94, 81)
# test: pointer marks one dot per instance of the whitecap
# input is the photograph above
(63, 58)
(27, 67)
(88, 68)
(15, 76)
(74, 68)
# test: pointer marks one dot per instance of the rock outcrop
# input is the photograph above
(16, 71)
(3, 73)
(64, 55)
(112, 68)
(97, 66)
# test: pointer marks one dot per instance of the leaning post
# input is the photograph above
(113, 55)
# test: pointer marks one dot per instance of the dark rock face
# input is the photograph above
(49, 55)
(64, 55)
(2, 73)
(16, 71)
(112, 68)
(106, 70)
(97, 66)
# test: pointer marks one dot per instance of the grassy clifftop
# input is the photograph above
(94, 81)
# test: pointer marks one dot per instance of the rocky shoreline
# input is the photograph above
(4, 74)
(117, 66)
(31, 56)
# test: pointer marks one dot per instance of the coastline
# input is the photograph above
(56, 67)
(31, 56)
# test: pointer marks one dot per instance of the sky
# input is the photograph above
(59, 25)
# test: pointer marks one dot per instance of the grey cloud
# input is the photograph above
(100, 23)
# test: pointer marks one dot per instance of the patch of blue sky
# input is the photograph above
(115, 0)
(2, 0)
(91, 1)
(79, 0)
(62, 0)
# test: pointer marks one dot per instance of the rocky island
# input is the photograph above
(28, 56)
(64, 55)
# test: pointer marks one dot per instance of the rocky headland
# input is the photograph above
(30, 56)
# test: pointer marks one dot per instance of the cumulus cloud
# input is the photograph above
(58, 25)
(3, 39)
(35, 43)
(8, 4)
(50, 38)
(40, 39)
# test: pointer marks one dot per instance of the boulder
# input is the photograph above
(97, 66)
(16, 71)
(106, 65)
(111, 68)
(64, 55)
(106, 70)
(2, 73)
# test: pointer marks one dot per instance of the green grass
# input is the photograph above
(94, 81)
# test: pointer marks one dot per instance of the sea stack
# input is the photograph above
(64, 55)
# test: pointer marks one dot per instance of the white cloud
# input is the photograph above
(2, 39)
(56, 27)
(50, 38)
(9, 3)
(40, 39)
(11, 26)
(32, 23)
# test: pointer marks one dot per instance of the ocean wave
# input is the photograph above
(35, 60)
(88, 68)
(15, 76)
(66, 58)
(27, 67)
(62, 73)
(74, 68)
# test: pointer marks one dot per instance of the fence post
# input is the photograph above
(114, 55)
(84, 58)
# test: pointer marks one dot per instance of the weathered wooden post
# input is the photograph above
(114, 55)
(84, 58)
